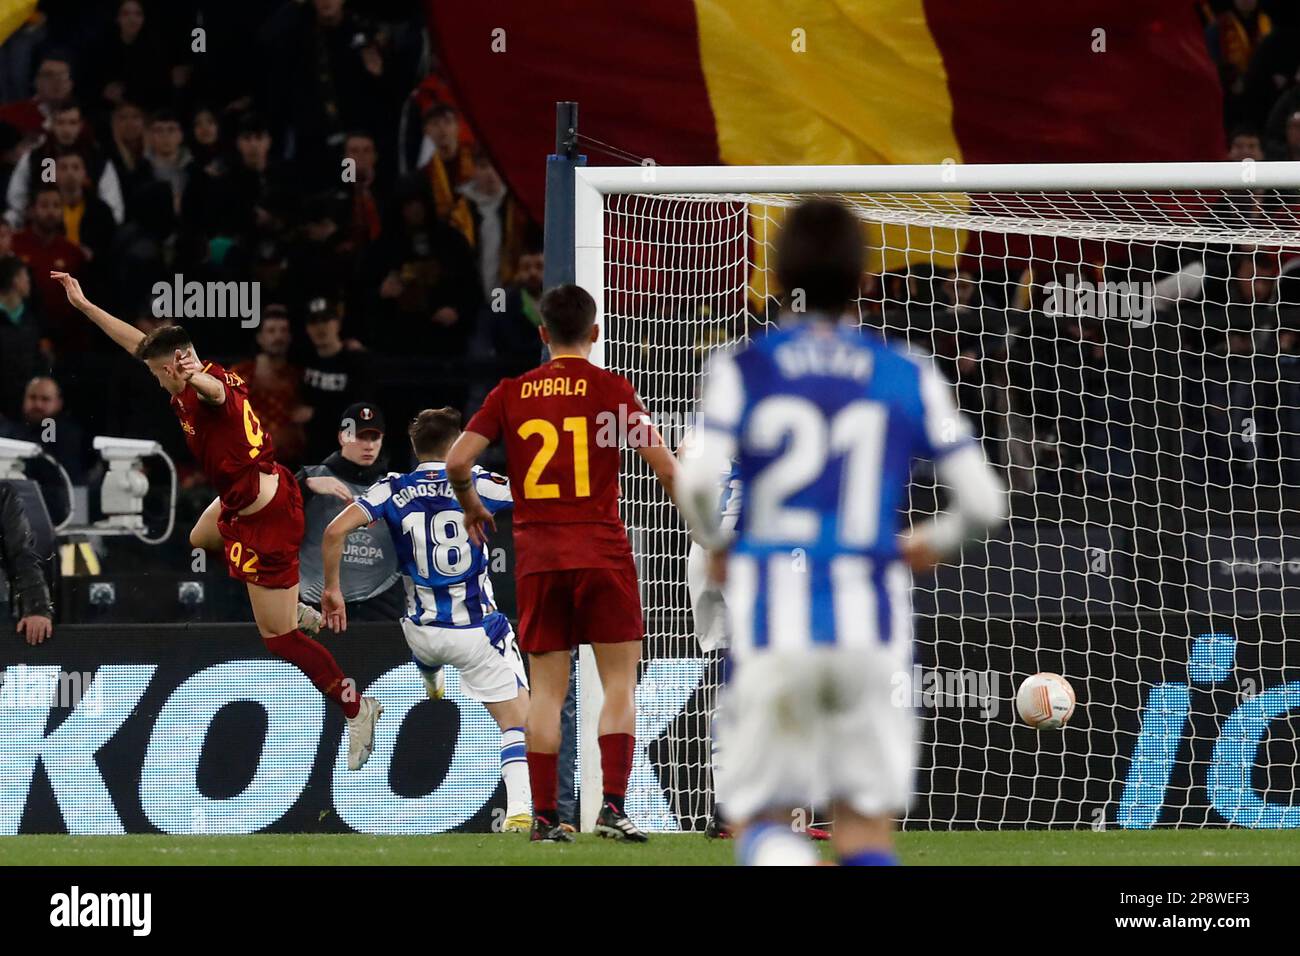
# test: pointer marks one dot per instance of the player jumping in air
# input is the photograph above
(256, 520)
(451, 614)
(825, 425)
(563, 424)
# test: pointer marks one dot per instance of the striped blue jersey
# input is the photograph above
(447, 580)
(825, 425)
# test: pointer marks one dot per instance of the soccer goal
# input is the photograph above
(1126, 340)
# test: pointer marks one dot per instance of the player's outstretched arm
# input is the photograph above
(460, 475)
(331, 547)
(123, 333)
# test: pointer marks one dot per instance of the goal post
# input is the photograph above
(1126, 339)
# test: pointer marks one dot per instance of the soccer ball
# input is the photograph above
(1045, 701)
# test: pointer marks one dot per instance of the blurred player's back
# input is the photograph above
(825, 425)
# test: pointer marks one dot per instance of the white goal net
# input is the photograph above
(1131, 359)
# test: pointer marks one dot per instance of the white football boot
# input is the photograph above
(361, 732)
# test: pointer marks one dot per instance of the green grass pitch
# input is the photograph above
(1216, 847)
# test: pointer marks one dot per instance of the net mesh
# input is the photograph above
(1132, 363)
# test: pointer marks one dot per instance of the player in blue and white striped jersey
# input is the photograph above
(451, 614)
(825, 425)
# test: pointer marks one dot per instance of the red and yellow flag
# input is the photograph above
(832, 81)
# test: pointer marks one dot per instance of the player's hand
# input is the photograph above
(716, 570)
(335, 610)
(186, 365)
(477, 520)
(35, 628)
(920, 557)
(76, 298)
(327, 485)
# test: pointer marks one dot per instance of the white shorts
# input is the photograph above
(815, 726)
(491, 668)
(708, 606)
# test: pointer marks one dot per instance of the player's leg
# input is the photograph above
(276, 612)
(616, 729)
(496, 676)
(546, 608)
(876, 740)
(608, 607)
(511, 716)
(770, 719)
(205, 534)
(862, 840)
(549, 676)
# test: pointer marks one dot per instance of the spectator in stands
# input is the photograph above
(87, 220)
(499, 224)
(20, 335)
(1232, 38)
(329, 75)
(429, 288)
(68, 130)
(274, 385)
(1244, 143)
(169, 158)
(320, 247)
(205, 129)
(369, 576)
(448, 168)
(333, 376)
(44, 423)
(126, 153)
(512, 329)
(21, 565)
(44, 248)
(1291, 141)
(239, 201)
(53, 85)
(364, 196)
(129, 62)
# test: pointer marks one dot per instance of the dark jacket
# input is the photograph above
(19, 561)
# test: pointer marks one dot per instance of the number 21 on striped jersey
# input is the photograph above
(576, 426)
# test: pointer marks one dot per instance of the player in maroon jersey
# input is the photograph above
(563, 425)
(256, 520)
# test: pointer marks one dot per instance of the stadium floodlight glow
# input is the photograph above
(12, 454)
(1153, 455)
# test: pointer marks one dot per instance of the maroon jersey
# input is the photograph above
(227, 440)
(563, 425)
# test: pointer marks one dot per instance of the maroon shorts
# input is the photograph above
(558, 610)
(262, 548)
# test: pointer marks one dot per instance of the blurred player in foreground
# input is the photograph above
(256, 520)
(451, 615)
(825, 425)
(713, 630)
(563, 425)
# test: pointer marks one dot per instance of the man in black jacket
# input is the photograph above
(21, 565)
(369, 570)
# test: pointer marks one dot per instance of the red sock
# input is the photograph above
(616, 752)
(542, 777)
(314, 660)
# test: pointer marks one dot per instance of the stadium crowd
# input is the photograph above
(320, 157)
(323, 158)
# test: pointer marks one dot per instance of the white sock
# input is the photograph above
(514, 771)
